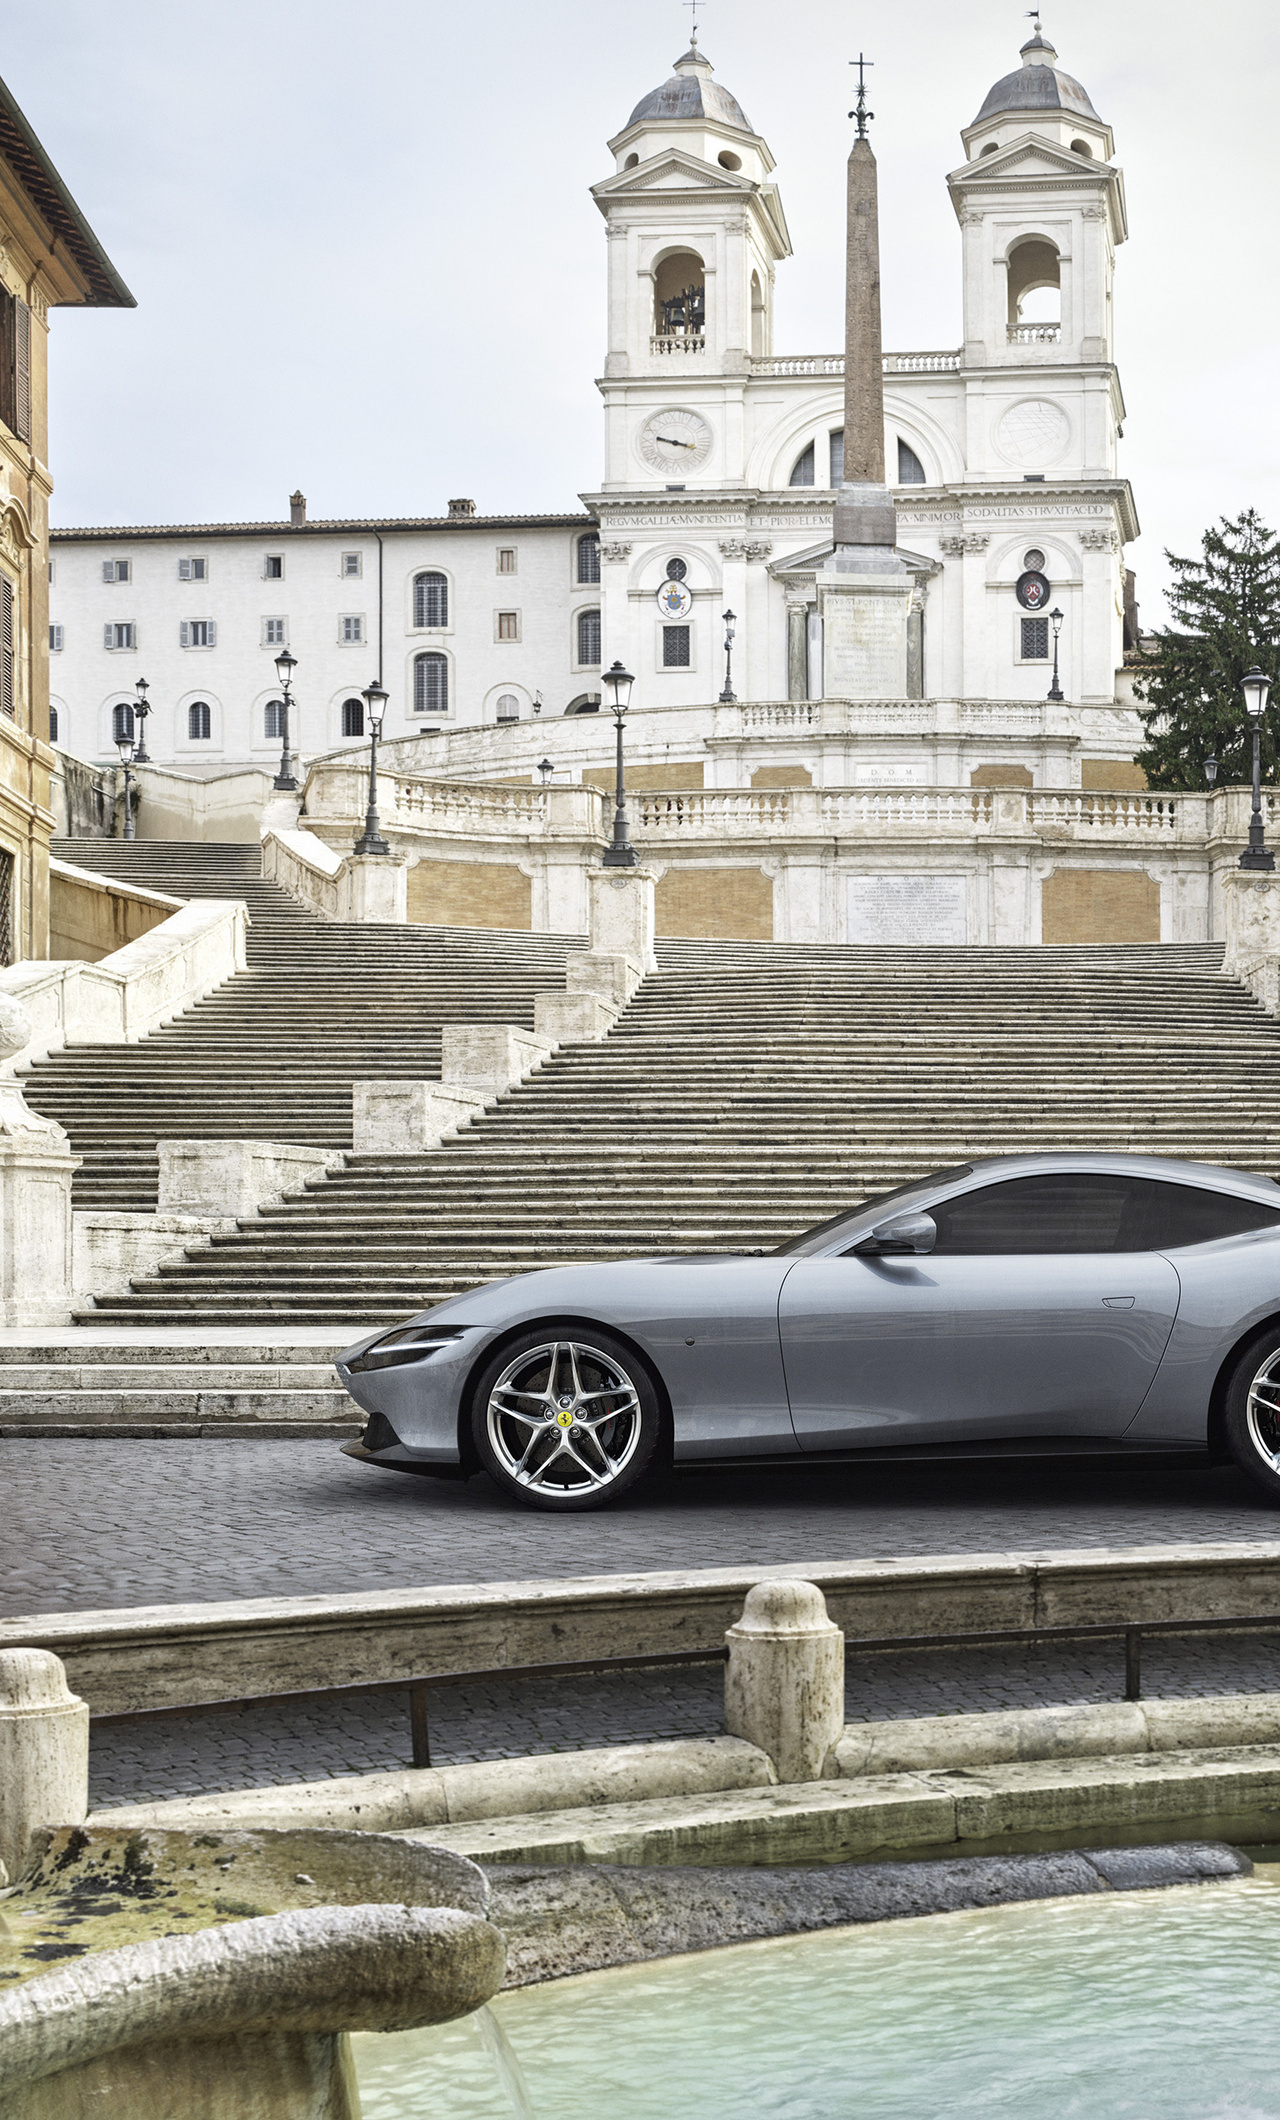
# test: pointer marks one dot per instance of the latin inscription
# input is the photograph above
(907, 909)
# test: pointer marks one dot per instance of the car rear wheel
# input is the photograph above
(1252, 1419)
(565, 1419)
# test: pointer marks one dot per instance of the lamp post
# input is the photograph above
(1210, 780)
(286, 779)
(1255, 684)
(124, 745)
(728, 696)
(546, 769)
(1055, 620)
(371, 840)
(141, 711)
(620, 854)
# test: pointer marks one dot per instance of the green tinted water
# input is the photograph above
(1142, 2006)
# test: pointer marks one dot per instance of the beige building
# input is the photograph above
(49, 255)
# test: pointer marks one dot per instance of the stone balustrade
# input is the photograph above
(770, 364)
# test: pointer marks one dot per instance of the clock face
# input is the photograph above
(674, 442)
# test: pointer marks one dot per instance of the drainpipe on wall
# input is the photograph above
(378, 535)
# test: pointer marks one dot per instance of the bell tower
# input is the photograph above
(695, 230)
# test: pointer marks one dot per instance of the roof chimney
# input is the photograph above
(459, 509)
(297, 509)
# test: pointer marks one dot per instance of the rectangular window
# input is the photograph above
(352, 565)
(8, 673)
(675, 647)
(116, 570)
(119, 637)
(506, 559)
(198, 633)
(55, 640)
(273, 568)
(15, 365)
(508, 625)
(273, 633)
(193, 570)
(588, 639)
(1035, 640)
(352, 632)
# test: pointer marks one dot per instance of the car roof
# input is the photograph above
(1173, 1170)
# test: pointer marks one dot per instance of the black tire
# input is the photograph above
(1252, 1413)
(527, 1404)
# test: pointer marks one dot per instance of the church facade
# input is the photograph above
(722, 458)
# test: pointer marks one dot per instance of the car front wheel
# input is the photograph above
(565, 1420)
(1252, 1420)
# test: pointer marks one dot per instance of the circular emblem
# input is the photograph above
(1033, 433)
(674, 442)
(564, 1419)
(674, 600)
(1032, 592)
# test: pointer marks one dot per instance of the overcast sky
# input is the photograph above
(367, 263)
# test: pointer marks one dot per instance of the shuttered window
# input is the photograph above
(506, 559)
(589, 557)
(352, 632)
(430, 684)
(7, 671)
(589, 637)
(273, 633)
(15, 365)
(193, 570)
(352, 564)
(430, 600)
(197, 633)
(55, 640)
(116, 570)
(199, 721)
(119, 637)
(508, 625)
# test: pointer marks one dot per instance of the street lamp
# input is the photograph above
(286, 779)
(1255, 684)
(141, 711)
(546, 769)
(124, 745)
(728, 696)
(620, 854)
(1055, 620)
(1210, 773)
(1210, 780)
(371, 840)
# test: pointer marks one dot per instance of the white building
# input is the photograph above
(716, 493)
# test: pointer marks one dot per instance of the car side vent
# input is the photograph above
(379, 1434)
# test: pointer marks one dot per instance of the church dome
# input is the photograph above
(1037, 85)
(691, 93)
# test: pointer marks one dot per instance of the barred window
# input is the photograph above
(675, 647)
(353, 717)
(122, 723)
(589, 556)
(1035, 640)
(273, 719)
(199, 721)
(430, 600)
(589, 637)
(431, 683)
(53, 723)
(910, 469)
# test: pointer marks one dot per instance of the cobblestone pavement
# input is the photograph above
(88, 1524)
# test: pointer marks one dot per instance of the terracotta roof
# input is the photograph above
(57, 209)
(327, 528)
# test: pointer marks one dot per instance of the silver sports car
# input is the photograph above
(1051, 1303)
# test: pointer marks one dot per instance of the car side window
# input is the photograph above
(1061, 1211)
(1170, 1216)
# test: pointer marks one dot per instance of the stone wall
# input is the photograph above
(647, 778)
(1100, 905)
(90, 915)
(1121, 775)
(729, 904)
(493, 894)
(1002, 777)
(782, 777)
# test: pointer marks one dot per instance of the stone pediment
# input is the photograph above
(672, 171)
(1031, 155)
(815, 556)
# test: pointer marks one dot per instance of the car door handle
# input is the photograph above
(1119, 1302)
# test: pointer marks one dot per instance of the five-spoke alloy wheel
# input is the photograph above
(1252, 1413)
(565, 1420)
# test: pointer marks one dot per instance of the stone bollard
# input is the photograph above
(784, 1681)
(44, 1751)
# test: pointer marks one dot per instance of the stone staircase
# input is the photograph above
(152, 1385)
(747, 1092)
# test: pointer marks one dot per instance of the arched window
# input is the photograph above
(353, 717)
(1035, 283)
(589, 637)
(508, 707)
(430, 600)
(273, 719)
(199, 721)
(53, 724)
(589, 556)
(430, 684)
(911, 471)
(121, 721)
(680, 297)
(802, 469)
(677, 570)
(836, 454)
(757, 315)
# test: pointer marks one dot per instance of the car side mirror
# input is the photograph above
(915, 1232)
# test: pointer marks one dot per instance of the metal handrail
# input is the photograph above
(417, 1687)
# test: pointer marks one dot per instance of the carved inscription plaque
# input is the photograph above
(910, 909)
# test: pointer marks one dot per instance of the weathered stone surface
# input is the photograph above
(1251, 906)
(400, 1118)
(611, 975)
(221, 1178)
(784, 1681)
(572, 1019)
(984, 1740)
(622, 914)
(483, 1059)
(44, 1751)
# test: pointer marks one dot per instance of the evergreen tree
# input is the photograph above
(1226, 612)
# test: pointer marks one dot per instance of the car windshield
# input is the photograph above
(856, 1218)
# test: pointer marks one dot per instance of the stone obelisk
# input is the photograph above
(864, 589)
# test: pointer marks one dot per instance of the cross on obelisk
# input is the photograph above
(863, 517)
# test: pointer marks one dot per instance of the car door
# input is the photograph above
(1027, 1319)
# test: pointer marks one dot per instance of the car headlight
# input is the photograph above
(408, 1343)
